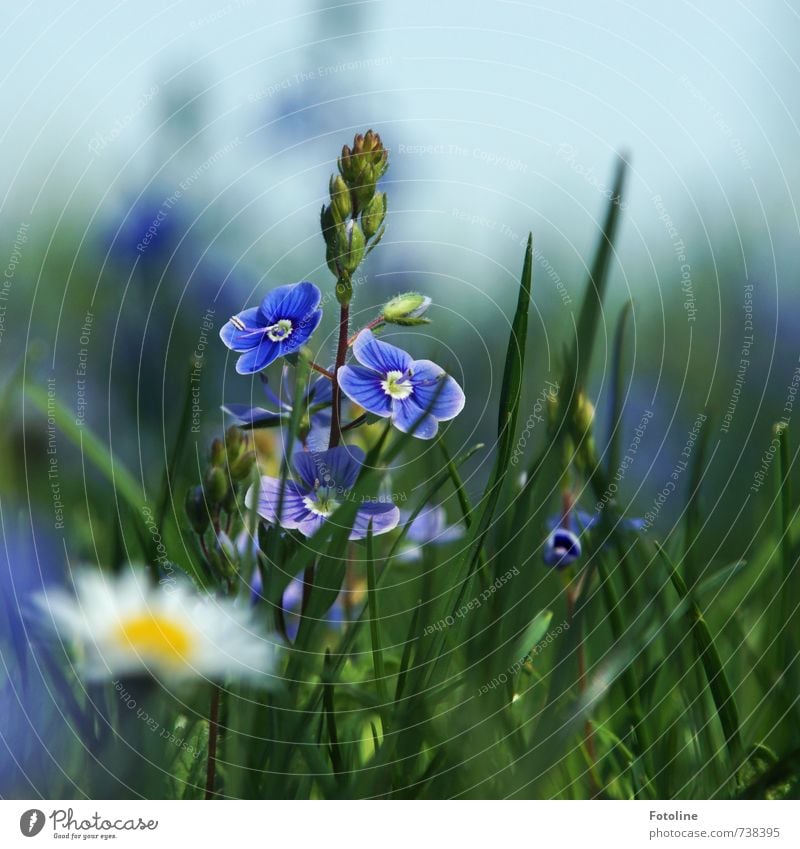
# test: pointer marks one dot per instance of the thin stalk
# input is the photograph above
(323, 371)
(341, 355)
(372, 325)
(213, 735)
(372, 601)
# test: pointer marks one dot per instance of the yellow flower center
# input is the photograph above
(155, 636)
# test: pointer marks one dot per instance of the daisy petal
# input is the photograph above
(380, 356)
(445, 403)
(363, 387)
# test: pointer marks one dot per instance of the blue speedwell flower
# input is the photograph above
(281, 325)
(316, 402)
(562, 548)
(389, 383)
(323, 481)
(429, 528)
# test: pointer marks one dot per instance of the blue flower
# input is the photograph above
(581, 521)
(430, 528)
(561, 548)
(316, 400)
(389, 383)
(323, 480)
(281, 325)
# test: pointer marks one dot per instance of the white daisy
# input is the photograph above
(127, 626)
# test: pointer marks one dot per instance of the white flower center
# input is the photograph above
(280, 330)
(397, 385)
(320, 504)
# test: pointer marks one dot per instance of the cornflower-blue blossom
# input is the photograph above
(562, 548)
(323, 481)
(316, 403)
(388, 383)
(429, 528)
(281, 325)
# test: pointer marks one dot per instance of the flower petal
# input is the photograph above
(428, 525)
(363, 387)
(293, 301)
(243, 340)
(301, 332)
(311, 524)
(383, 516)
(294, 510)
(258, 358)
(337, 468)
(252, 417)
(426, 379)
(406, 414)
(380, 356)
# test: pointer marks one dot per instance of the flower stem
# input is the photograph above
(323, 371)
(213, 734)
(376, 322)
(341, 355)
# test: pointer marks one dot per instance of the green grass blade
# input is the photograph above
(374, 622)
(592, 306)
(615, 415)
(712, 664)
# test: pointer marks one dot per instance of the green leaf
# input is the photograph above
(712, 664)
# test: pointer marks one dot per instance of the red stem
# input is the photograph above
(323, 371)
(341, 355)
(370, 326)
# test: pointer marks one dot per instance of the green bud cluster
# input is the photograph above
(353, 222)
(230, 463)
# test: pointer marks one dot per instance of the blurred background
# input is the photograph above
(164, 165)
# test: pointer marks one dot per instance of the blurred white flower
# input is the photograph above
(127, 626)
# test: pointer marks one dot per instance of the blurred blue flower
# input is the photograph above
(581, 520)
(281, 325)
(562, 548)
(316, 401)
(293, 601)
(429, 528)
(389, 383)
(34, 726)
(324, 479)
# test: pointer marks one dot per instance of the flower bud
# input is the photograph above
(215, 485)
(372, 217)
(341, 205)
(234, 442)
(584, 414)
(242, 466)
(354, 252)
(196, 511)
(362, 166)
(217, 453)
(407, 309)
